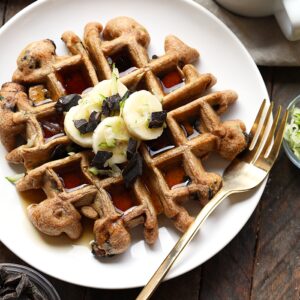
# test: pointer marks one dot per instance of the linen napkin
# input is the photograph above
(261, 36)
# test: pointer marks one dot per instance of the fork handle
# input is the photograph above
(166, 265)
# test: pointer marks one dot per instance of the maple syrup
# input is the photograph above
(171, 81)
(123, 62)
(190, 127)
(53, 126)
(72, 178)
(74, 79)
(122, 198)
(34, 196)
(176, 177)
(161, 144)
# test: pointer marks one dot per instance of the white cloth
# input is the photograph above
(261, 36)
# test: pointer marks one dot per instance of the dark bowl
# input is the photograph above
(41, 283)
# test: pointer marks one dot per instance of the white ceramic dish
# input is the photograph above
(221, 54)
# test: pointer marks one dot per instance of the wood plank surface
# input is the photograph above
(263, 260)
(277, 261)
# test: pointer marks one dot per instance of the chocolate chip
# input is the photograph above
(59, 152)
(85, 126)
(133, 169)
(100, 159)
(154, 56)
(65, 103)
(95, 117)
(157, 119)
(111, 105)
(81, 125)
(94, 120)
(132, 147)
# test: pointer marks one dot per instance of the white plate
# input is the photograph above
(221, 54)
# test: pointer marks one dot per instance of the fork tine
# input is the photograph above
(251, 155)
(246, 155)
(262, 130)
(258, 117)
(271, 133)
(278, 139)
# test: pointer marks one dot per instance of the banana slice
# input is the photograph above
(84, 140)
(112, 135)
(103, 89)
(137, 112)
(91, 101)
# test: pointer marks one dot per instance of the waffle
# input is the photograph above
(173, 172)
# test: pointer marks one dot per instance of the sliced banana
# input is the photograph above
(103, 89)
(84, 140)
(137, 112)
(91, 101)
(112, 135)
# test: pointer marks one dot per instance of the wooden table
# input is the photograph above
(263, 260)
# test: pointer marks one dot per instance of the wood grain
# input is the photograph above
(263, 260)
(277, 263)
(3, 5)
(14, 6)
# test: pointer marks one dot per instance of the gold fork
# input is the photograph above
(244, 173)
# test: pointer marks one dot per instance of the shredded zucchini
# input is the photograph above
(15, 178)
(292, 132)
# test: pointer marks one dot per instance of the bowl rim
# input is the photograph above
(36, 277)
(290, 154)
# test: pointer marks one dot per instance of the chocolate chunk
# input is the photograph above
(74, 148)
(100, 159)
(59, 152)
(111, 105)
(85, 126)
(105, 109)
(94, 120)
(157, 119)
(65, 103)
(17, 285)
(95, 117)
(132, 147)
(133, 169)
(81, 125)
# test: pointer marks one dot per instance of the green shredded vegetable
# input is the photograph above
(109, 144)
(15, 178)
(113, 172)
(292, 132)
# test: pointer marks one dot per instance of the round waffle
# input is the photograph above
(173, 171)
